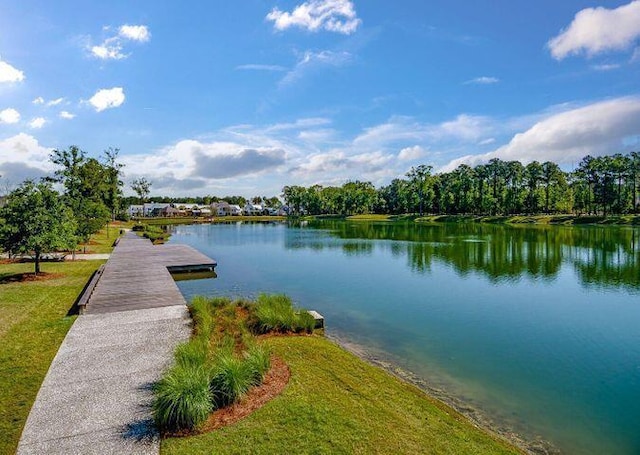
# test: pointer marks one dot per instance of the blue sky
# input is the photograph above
(222, 97)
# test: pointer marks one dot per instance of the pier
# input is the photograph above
(96, 397)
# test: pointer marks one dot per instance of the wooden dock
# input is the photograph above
(138, 276)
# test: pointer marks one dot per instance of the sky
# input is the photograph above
(241, 98)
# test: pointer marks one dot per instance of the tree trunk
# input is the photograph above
(37, 261)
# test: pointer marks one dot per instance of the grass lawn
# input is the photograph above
(337, 403)
(33, 323)
(102, 242)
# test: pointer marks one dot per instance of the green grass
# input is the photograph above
(536, 219)
(33, 323)
(337, 403)
(182, 398)
(276, 313)
(102, 241)
(222, 354)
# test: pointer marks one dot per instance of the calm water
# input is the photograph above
(537, 326)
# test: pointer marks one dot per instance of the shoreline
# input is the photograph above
(476, 416)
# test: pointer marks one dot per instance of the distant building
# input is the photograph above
(252, 209)
(223, 208)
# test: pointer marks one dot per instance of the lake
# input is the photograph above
(537, 326)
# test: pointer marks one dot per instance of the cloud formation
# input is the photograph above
(66, 115)
(242, 162)
(412, 153)
(312, 61)
(107, 98)
(138, 33)
(595, 31)
(22, 157)
(483, 80)
(9, 73)
(566, 137)
(9, 116)
(331, 15)
(37, 123)
(260, 67)
(112, 48)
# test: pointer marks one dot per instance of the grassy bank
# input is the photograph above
(102, 241)
(616, 220)
(337, 403)
(537, 219)
(33, 323)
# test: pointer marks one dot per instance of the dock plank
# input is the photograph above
(137, 276)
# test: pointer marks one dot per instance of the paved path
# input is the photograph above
(96, 396)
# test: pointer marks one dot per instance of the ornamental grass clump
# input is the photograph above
(182, 398)
(193, 353)
(276, 313)
(231, 378)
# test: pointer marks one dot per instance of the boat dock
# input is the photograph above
(96, 397)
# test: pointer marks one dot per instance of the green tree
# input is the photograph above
(419, 178)
(112, 180)
(86, 189)
(142, 187)
(36, 221)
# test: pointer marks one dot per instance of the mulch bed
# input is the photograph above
(274, 383)
(27, 277)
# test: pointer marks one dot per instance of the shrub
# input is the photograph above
(275, 313)
(258, 359)
(182, 399)
(202, 317)
(194, 353)
(231, 378)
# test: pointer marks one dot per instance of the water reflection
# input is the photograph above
(601, 256)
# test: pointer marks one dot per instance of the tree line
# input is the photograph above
(597, 186)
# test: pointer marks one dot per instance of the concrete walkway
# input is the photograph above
(96, 396)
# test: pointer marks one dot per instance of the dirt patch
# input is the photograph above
(274, 383)
(27, 277)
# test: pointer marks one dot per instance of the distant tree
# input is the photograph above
(113, 183)
(142, 187)
(419, 179)
(36, 221)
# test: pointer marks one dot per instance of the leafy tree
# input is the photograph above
(419, 179)
(36, 221)
(141, 187)
(112, 180)
(87, 190)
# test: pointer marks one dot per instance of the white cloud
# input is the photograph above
(597, 30)
(107, 98)
(9, 73)
(311, 61)
(464, 128)
(412, 153)
(22, 157)
(483, 80)
(9, 115)
(566, 137)
(260, 67)
(606, 67)
(55, 102)
(66, 115)
(38, 100)
(135, 32)
(331, 15)
(112, 48)
(37, 123)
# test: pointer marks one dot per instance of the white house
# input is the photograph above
(135, 210)
(252, 209)
(223, 208)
